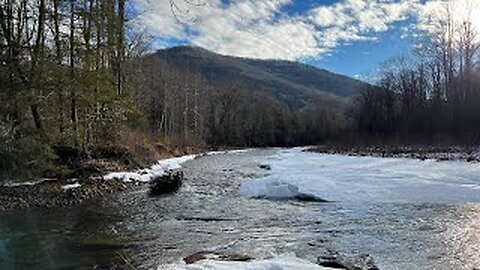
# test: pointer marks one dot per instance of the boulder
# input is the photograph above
(359, 262)
(169, 182)
(216, 256)
(265, 167)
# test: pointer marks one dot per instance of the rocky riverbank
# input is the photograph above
(439, 153)
(79, 176)
(163, 177)
(54, 193)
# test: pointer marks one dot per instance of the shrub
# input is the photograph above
(24, 158)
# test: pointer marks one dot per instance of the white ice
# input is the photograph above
(281, 263)
(350, 178)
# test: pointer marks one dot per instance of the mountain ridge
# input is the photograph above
(297, 84)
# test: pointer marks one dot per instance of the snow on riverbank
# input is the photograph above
(281, 263)
(28, 183)
(144, 175)
(351, 178)
(71, 186)
(163, 166)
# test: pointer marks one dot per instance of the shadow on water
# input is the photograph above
(66, 238)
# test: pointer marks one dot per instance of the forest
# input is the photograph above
(182, 104)
(75, 75)
(430, 95)
(62, 77)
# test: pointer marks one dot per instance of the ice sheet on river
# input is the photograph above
(352, 178)
(281, 263)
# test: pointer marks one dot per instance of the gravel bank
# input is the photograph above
(439, 153)
(53, 193)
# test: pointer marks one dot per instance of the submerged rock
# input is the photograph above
(206, 255)
(265, 167)
(169, 182)
(276, 190)
(336, 261)
(309, 198)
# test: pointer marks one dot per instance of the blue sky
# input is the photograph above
(362, 59)
(351, 37)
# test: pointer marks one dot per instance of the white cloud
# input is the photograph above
(254, 29)
(358, 20)
(261, 28)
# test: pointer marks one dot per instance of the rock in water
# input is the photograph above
(336, 261)
(169, 182)
(216, 256)
(265, 167)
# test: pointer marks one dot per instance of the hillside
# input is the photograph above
(296, 84)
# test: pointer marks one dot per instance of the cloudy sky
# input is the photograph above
(351, 37)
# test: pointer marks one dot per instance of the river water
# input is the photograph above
(405, 214)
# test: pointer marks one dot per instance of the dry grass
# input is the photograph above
(147, 149)
(142, 147)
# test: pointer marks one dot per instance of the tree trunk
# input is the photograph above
(73, 97)
(120, 46)
(58, 50)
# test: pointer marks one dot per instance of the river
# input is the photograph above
(405, 214)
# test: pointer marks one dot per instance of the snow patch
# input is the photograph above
(28, 183)
(238, 151)
(281, 263)
(71, 186)
(156, 170)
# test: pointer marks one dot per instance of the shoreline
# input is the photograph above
(61, 192)
(419, 152)
(57, 192)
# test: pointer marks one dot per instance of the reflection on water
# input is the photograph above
(133, 231)
(462, 235)
(58, 239)
(411, 236)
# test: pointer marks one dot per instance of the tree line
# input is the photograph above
(179, 103)
(433, 94)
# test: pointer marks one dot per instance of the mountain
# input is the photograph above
(296, 84)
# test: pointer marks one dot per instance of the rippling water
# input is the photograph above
(134, 231)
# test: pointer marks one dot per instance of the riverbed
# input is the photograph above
(402, 213)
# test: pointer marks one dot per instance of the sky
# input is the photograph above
(351, 37)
